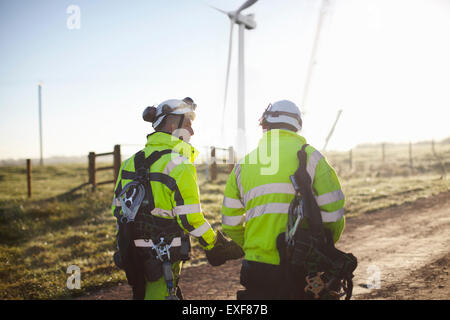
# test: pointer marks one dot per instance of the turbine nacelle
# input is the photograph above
(247, 20)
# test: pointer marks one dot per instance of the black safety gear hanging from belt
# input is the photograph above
(314, 268)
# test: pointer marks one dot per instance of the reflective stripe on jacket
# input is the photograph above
(183, 206)
(258, 194)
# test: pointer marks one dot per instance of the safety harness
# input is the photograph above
(314, 268)
(147, 244)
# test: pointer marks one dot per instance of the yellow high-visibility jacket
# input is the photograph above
(259, 191)
(183, 203)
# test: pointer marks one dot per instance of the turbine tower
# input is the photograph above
(244, 22)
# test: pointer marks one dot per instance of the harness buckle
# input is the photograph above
(162, 250)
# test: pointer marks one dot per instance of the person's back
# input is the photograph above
(157, 205)
(176, 163)
(257, 199)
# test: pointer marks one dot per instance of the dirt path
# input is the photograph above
(403, 253)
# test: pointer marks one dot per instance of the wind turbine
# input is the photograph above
(244, 22)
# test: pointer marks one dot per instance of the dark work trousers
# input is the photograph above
(262, 281)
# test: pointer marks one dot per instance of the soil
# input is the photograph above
(403, 253)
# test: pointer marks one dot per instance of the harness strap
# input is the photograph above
(145, 243)
(149, 161)
(141, 173)
(170, 183)
(349, 283)
(140, 163)
(304, 181)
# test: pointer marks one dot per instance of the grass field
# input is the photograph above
(42, 236)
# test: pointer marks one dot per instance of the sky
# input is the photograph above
(385, 63)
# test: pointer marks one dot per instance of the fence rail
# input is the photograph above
(92, 169)
(230, 159)
(407, 156)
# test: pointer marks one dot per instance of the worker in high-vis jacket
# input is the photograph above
(258, 194)
(157, 206)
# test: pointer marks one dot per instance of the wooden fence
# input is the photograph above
(211, 164)
(230, 159)
(92, 168)
(385, 159)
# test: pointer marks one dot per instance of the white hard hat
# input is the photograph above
(168, 107)
(283, 111)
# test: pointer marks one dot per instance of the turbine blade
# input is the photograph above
(247, 4)
(220, 10)
(230, 46)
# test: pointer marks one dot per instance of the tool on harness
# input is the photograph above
(163, 255)
(130, 200)
(315, 284)
(296, 208)
(139, 229)
(314, 267)
(159, 264)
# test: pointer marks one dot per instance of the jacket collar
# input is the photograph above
(168, 141)
(282, 133)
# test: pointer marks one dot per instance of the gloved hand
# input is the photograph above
(223, 250)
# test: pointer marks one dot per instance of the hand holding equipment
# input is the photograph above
(223, 250)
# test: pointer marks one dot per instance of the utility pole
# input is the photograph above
(40, 122)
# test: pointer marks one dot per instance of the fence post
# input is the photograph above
(207, 164)
(117, 162)
(29, 177)
(438, 158)
(410, 155)
(91, 169)
(350, 159)
(213, 164)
